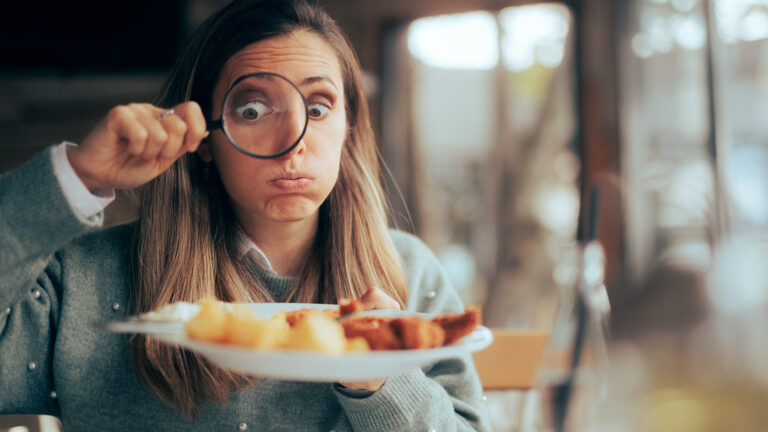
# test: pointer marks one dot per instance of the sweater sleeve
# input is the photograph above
(35, 221)
(444, 396)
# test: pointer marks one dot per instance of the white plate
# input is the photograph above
(312, 366)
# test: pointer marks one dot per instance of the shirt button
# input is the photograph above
(36, 293)
(432, 294)
(115, 306)
(32, 366)
(7, 310)
(485, 398)
(53, 394)
(242, 426)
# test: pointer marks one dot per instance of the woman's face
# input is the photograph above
(291, 187)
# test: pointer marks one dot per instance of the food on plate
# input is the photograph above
(357, 344)
(315, 331)
(457, 326)
(387, 333)
(375, 330)
(305, 329)
(416, 333)
(294, 317)
(349, 306)
(210, 323)
(245, 329)
(320, 330)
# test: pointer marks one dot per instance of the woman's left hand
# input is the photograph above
(374, 298)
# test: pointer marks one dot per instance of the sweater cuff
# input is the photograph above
(87, 206)
(393, 406)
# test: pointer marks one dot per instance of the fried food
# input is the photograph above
(306, 329)
(385, 333)
(375, 330)
(294, 317)
(210, 324)
(418, 333)
(241, 327)
(245, 329)
(357, 344)
(357, 326)
(457, 326)
(349, 306)
(315, 331)
(319, 331)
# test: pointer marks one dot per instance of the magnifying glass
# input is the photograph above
(264, 115)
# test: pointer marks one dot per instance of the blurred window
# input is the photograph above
(667, 164)
(741, 82)
(479, 130)
(675, 161)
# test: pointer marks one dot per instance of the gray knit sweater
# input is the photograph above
(59, 274)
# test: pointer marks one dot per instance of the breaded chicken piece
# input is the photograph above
(356, 326)
(382, 338)
(457, 326)
(375, 330)
(349, 305)
(418, 333)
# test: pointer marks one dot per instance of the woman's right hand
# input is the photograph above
(133, 144)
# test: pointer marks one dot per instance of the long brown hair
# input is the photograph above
(185, 243)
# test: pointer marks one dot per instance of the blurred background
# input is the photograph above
(498, 120)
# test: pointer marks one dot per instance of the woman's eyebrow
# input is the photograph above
(315, 79)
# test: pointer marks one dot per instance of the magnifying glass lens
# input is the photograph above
(264, 115)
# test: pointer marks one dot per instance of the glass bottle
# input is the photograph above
(570, 380)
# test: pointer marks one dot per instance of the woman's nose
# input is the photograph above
(299, 149)
(296, 126)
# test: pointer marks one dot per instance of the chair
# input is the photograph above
(507, 371)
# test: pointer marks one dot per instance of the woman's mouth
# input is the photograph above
(291, 184)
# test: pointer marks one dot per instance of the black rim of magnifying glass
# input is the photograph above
(213, 125)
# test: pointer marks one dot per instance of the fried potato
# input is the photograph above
(357, 344)
(244, 328)
(210, 324)
(273, 333)
(317, 332)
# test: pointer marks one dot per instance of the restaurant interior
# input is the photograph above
(588, 172)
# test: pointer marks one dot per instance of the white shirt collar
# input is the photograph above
(246, 246)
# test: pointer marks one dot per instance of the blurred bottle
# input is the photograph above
(571, 379)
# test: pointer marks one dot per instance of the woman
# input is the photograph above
(308, 226)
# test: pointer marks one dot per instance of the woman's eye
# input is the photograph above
(252, 110)
(317, 110)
